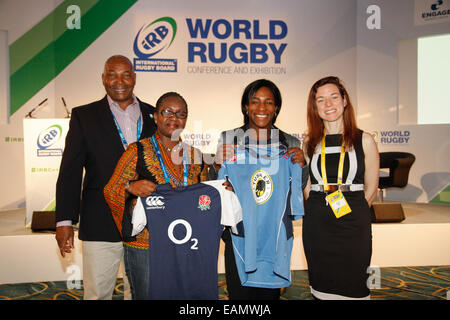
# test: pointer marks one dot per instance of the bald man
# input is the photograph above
(99, 133)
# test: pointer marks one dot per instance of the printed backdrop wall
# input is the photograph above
(208, 51)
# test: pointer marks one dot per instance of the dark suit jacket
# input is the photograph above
(93, 144)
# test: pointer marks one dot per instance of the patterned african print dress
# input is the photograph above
(141, 162)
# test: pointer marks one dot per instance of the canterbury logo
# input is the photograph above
(154, 201)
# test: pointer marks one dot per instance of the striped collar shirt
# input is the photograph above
(127, 119)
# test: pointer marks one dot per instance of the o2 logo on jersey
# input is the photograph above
(187, 237)
(49, 136)
(262, 186)
(155, 37)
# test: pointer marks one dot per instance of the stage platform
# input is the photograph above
(422, 239)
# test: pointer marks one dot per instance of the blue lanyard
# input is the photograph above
(163, 167)
(138, 130)
(247, 137)
(272, 151)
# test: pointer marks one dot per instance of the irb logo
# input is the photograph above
(155, 37)
(49, 136)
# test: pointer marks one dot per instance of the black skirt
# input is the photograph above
(338, 251)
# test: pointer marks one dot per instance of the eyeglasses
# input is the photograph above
(166, 113)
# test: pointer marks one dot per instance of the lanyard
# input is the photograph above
(163, 167)
(122, 137)
(273, 150)
(324, 170)
(247, 137)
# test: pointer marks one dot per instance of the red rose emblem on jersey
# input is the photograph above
(204, 202)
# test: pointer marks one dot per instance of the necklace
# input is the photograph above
(175, 148)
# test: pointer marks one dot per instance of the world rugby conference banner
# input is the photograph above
(43, 148)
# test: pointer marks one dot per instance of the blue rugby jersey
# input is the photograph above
(269, 188)
(185, 225)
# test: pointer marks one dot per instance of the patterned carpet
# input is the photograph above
(402, 283)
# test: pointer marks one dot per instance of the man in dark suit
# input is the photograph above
(98, 135)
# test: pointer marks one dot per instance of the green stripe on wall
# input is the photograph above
(42, 34)
(44, 66)
(443, 197)
(51, 206)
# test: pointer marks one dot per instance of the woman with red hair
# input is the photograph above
(344, 168)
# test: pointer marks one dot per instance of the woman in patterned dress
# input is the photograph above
(138, 172)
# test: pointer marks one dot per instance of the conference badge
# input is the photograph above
(338, 204)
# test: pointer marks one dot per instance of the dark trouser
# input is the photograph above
(236, 291)
(137, 269)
